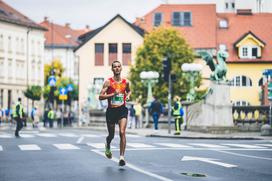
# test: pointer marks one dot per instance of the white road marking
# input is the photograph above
(6, 136)
(266, 145)
(1, 148)
(208, 145)
(48, 135)
(139, 145)
(243, 155)
(29, 147)
(26, 135)
(66, 147)
(208, 160)
(244, 146)
(132, 136)
(133, 167)
(173, 145)
(42, 128)
(80, 139)
(71, 135)
(90, 135)
(99, 145)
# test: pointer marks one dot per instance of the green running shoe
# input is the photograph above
(108, 152)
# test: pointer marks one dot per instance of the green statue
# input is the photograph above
(219, 69)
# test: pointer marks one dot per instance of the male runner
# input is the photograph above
(117, 91)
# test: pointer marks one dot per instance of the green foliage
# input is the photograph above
(55, 66)
(34, 93)
(158, 44)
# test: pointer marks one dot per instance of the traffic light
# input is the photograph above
(166, 68)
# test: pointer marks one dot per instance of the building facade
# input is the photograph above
(231, 6)
(21, 55)
(59, 45)
(116, 40)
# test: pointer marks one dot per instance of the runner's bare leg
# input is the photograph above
(122, 133)
(111, 130)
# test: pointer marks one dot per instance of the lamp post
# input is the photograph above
(191, 70)
(149, 78)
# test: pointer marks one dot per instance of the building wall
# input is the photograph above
(266, 5)
(13, 61)
(116, 32)
(67, 58)
(252, 71)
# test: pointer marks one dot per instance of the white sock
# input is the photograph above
(122, 157)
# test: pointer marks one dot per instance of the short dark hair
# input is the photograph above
(115, 61)
(19, 99)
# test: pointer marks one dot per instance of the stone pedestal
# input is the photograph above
(214, 113)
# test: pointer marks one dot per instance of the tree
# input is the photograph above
(56, 67)
(160, 43)
(34, 93)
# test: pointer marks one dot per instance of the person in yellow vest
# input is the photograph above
(177, 114)
(18, 116)
(51, 117)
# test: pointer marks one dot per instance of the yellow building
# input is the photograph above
(247, 38)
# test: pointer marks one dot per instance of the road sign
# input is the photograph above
(70, 87)
(52, 81)
(63, 94)
(207, 160)
(269, 87)
(63, 91)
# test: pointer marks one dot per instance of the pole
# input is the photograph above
(27, 64)
(62, 107)
(270, 114)
(169, 102)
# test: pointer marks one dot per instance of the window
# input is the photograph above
(112, 52)
(182, 19)
(9, 44)
(250, 52)
(227, 5)
(1, 42)
(233, 5)
(157, 19)
(223, 23)
(241, 81)
(99, 54)
(126, 53)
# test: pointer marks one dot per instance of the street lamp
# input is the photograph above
(191, 70)
(149, 78)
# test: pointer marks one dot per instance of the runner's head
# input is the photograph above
(116, 67)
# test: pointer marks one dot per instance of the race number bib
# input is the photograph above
(117, 100)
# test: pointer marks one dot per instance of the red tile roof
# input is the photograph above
(58, 35)
(10, 15)
(238, 25)
(202, 33)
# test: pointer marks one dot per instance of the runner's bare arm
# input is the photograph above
(103, 94)
(128, 92)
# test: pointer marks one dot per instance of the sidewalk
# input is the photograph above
(163, 133)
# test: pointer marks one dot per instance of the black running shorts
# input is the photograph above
(113, 115)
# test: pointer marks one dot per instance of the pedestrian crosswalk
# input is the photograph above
(34, 134)
(141, 146)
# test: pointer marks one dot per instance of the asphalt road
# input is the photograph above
(72, 154)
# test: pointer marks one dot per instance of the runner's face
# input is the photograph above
(116, 68)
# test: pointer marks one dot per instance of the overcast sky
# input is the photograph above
(83, 12)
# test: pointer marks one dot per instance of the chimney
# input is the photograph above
(45, 18)
(67, 25)
(244, 12)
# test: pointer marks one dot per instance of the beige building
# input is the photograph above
(21, 55)
(116, 40)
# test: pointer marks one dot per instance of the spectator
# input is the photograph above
(155, 111)
(45, 117)
(132, 117)
(51, 117)
(177, 112)
(138, 115)
(58, 116)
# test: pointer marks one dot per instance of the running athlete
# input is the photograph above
(117, 91)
